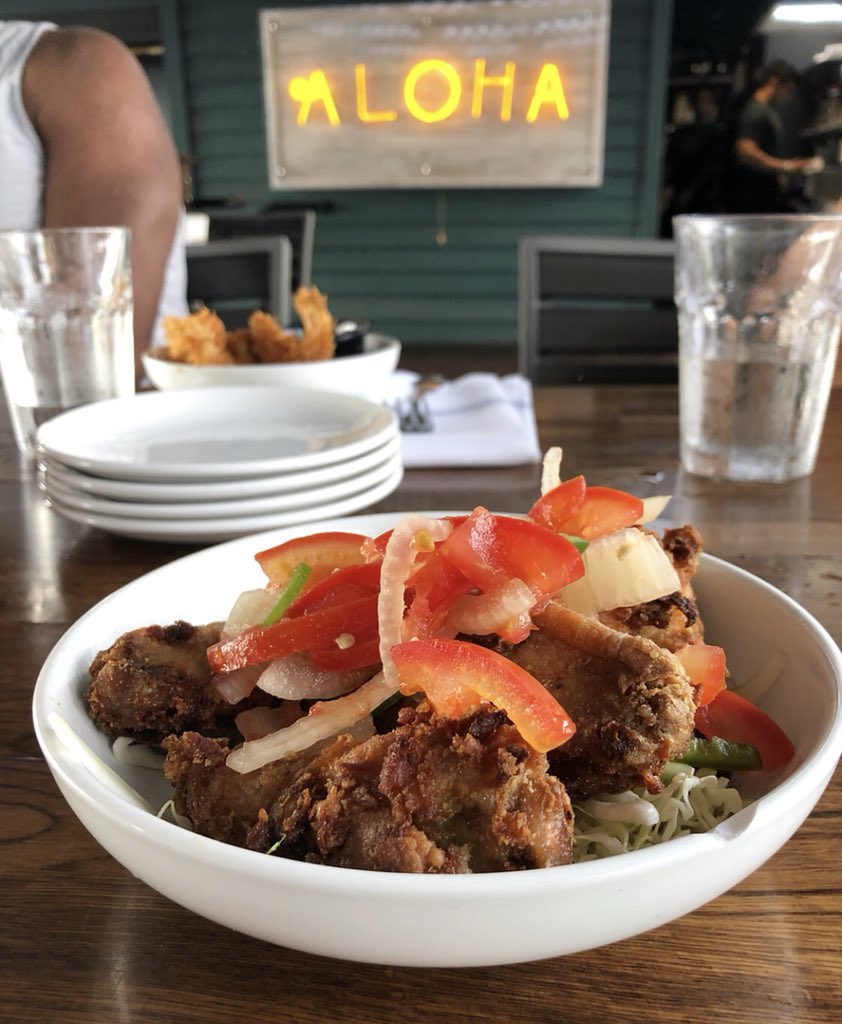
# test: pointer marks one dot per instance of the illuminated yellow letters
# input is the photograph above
(548, 89)
(315, 89)
(506, 81)
(451, 77)
(363, 113)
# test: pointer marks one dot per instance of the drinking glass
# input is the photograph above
(760, 312)
(66, 319)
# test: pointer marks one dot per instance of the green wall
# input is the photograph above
(376, 254)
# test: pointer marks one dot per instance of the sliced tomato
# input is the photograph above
(491, 549)
(456, 675)
(604, 510)
(345, 584)
(731, 717)
(360, 654)
(431, 589)
(304, 633)
(558, 506)
(705, 665)
(323, 552)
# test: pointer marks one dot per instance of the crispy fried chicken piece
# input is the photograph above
(631, 701)
(434, 795)
(672, 621)
(220, 802)
(199, 339)
(155, 681)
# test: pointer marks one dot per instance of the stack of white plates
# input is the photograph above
(214, 463)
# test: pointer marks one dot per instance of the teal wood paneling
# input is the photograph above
(376, 252)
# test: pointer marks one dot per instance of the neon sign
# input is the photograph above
(313, 94)
(434, 94)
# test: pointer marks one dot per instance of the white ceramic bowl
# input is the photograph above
(365, 374)
(433, 920)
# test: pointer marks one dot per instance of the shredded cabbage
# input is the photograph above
(692, 800)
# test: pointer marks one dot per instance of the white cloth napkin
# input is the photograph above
(479, 419)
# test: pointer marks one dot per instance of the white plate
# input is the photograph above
(215, 433)
(218, 490)
(365, 374)
(439, 920)
(209, 510)
(196, 531)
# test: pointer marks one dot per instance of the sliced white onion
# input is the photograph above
(653, 507)
(250, 609)
(325, 719)
(398, 559)
(260, 721)
(505, 611)
(622, 569)
(551, 469)
(297, 678)
(138, 755)
(237, 685)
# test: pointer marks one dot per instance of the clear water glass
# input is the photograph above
(760, 313)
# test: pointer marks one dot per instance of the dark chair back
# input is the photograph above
(298, 225)
(596, 310)
(236, 276)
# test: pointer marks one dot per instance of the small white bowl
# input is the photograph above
(365, 374)
(438, 920)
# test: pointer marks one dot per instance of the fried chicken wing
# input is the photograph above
(434, 795)
(221, 803)
(631, 700)
(155, 681)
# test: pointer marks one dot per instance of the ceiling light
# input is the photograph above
(807, 14)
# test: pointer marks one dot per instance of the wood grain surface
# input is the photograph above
(84, 942)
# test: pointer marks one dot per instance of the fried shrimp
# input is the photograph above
(317, 340)
(270, 343)
(199, 339)
(202, 340)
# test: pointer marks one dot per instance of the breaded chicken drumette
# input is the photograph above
(434, 795)
(631, 700)
(155, 681)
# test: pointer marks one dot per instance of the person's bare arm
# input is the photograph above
(751, 154)
(110, 158)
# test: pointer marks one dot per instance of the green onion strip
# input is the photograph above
(300, 575)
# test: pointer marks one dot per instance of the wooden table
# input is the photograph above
(86, 942)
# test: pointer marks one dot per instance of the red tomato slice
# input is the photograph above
(732, 717)
(604, 510)
(431, 590)
(360, 655)
(490, 549)
(305, 633)
(559, 505)
(345, 584)
(705, 665)
(456, 675)
(323, 552)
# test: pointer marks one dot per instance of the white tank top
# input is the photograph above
(22, 163)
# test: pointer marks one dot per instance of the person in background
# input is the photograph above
(694, 162)
(759, 168)
(83, 142)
